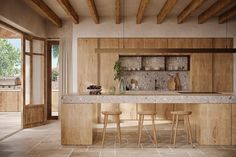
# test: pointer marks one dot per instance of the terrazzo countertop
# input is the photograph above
(153, 97)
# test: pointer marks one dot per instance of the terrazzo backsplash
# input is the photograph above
(146, 79)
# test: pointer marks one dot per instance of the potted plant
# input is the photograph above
(118, 75)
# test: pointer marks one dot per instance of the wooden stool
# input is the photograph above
(140, 124)
(175, 121)
(117, 117)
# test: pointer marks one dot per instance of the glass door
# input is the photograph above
(33, 81)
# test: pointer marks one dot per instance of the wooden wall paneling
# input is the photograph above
(107, 62)
(155, 43)
(222, 42)
(180, 43)
(202, 43)
(146, 107)
(215, 124)
(163, 111)
(10, 101)
(223, 72)
(87, 63)
(201, 72)
(108, 43)
(133, 43)
(233, 124)
(129, 111)
(73, 118)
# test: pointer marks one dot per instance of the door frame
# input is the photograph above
(49, 78)
(29, 110)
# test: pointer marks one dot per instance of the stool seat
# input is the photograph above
(181, 112)
(111, 113)
(147, 113)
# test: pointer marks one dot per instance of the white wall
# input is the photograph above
(21, 16)
(149, 28)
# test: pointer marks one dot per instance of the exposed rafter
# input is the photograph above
(142, 6)
(93, 10)
(44, 9)
(193, 5)
(166, 9)
(229, 14)
(118, 11)
(70, 11)
(213, 10)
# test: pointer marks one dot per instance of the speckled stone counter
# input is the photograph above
(176, 98)
(213, 118)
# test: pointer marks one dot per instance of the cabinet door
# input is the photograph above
(223, 72)
(180, 43)
(201, 72)
(87, 64)
(132, 43)
(106, 74)
(108, 43)
(155, 43)
(223, 66)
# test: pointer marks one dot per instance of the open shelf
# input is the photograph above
(166, 62)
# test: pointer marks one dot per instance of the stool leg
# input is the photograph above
(190, 132)
(118, 127)
(172, 128)
(140, 130)
(186, 128)
(154, 130)
(176, 127)
(104, 128)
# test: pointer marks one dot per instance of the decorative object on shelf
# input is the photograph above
(112, 90)
(177, 82)
(134, 84)
(94, 89)
(122, 86)
(171, 85)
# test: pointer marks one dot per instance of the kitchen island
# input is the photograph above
(213, 120)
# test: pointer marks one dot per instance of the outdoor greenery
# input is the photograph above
(55, 52)
(55, 75)
(10, 59)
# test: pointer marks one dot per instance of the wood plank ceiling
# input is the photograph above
(225, 10)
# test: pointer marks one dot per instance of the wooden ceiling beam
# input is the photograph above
(213, 10)
(193, 5)
(117, 11)
(44, 9)
(227, 15)
(166, 9)
(142, 6)
(93, 10)
(70, 11)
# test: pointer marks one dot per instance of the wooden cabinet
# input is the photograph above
(106, 79)
(180, 43)
(132, 43)
(87, 64)
(201, 72)
(108, 43)
(155, 43)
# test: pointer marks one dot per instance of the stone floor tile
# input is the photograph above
(85, 154)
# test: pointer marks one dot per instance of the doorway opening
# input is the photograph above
(53, 79)
(10, 82)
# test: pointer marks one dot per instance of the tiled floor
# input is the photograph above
(10, 122)
(44, 141)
